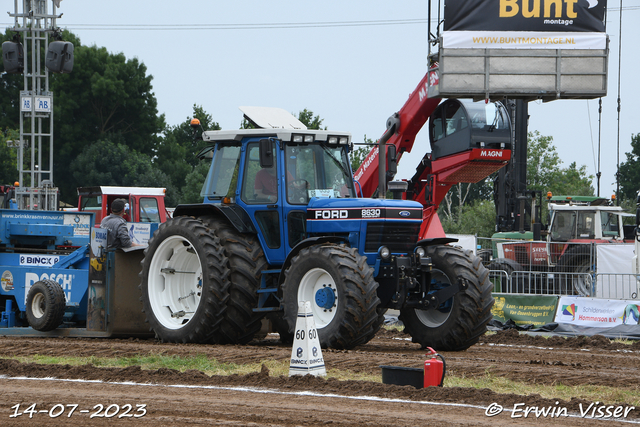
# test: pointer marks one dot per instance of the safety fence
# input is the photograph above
(554, 268)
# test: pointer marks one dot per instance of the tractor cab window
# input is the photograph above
(610, 224)
(223, 174)
(586, 225)
(91, 203)
(260, 184)
(149, 211)
(563, 226)
(317, 170)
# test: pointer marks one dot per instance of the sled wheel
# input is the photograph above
(46, 305)
(246, 263)
(184, 281)
(460, 321)
(343, 294)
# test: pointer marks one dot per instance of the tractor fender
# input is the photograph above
(304, 244)
(436, 241)
(235, 214)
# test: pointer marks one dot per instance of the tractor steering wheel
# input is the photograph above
(299, 189)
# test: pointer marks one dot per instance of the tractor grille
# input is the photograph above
(398, 237)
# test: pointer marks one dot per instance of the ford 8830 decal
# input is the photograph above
(364, 213)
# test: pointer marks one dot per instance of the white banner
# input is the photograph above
(522, 40)
(599, 313)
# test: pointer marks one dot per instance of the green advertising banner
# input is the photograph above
(536, 310)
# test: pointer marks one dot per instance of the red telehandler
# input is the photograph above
(469, 141)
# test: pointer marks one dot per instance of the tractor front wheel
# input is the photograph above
(343, 294)
(460, 321)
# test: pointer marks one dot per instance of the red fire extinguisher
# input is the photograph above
(434, 369)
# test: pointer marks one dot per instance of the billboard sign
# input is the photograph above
(518, 24)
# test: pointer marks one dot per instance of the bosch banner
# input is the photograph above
(517, 24)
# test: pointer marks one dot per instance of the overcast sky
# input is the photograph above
(353, 63)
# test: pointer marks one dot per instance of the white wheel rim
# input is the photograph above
(175, 282)
(314, 281)
(37, 304)
(435, 317)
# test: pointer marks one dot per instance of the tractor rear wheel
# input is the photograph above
(184, 281)
(45, 305)
(578, 262)
(343, 294)
(246, 263)
(460, 321)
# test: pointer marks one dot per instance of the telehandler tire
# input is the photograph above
(343, 294)
(460, 321)
(246, 262)
(184, 281)
(46, 305)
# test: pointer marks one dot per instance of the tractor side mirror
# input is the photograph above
(392, 160)
(266, 153)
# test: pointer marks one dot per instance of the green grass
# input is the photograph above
(608, 395)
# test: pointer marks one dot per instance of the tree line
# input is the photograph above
(108, 131)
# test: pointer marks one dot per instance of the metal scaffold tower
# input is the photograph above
(34, 22)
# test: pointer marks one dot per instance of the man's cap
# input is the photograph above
(118, 205)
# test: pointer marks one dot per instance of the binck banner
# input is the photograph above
(528, 24)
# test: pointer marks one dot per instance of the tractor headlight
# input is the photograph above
(301, 138)
(385, 253)
(420, 251)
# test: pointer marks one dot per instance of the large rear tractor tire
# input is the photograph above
(46, 305)
(343, 294)
(184, 282)
(460, 321)
(246, 262)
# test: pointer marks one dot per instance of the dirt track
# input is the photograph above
(573, 361)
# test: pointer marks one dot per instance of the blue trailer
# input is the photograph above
(58, 279)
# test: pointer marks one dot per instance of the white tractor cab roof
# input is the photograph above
(274, 122)
(122, 191)
(287, 135)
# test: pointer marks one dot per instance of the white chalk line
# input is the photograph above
(291, 393)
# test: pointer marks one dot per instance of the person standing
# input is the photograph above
(116, 226)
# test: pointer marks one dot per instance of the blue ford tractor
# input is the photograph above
(281, 223)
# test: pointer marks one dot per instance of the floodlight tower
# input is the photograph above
(34, 24)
